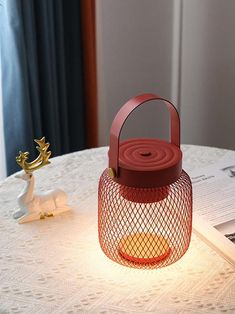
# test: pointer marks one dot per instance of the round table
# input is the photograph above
(56, 265)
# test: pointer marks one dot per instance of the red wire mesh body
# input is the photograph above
(165, 213)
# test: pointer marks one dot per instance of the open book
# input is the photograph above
(214, 206)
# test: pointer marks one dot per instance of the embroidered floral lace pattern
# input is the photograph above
(56, 265)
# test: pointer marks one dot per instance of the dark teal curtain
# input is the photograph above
(42, 76)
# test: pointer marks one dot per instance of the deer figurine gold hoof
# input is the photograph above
(41, 206)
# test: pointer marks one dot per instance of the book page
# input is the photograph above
(214, 196)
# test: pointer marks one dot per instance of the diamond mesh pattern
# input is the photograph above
(164, 213)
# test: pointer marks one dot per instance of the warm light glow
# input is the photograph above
(144, 247)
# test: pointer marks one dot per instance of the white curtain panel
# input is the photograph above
(2, 145)
(207, 86)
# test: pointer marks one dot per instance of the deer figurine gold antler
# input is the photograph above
(40, 161)
(34, 207)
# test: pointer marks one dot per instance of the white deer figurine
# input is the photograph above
(34, 207)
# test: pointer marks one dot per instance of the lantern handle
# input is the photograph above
(121, 118)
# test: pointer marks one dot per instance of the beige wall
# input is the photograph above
(183, 50)
(134, 42)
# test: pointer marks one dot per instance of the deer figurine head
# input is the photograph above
(40, 161)
(33, 207)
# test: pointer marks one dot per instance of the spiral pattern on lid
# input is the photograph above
(146, 154)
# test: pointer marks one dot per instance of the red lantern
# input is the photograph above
(144, 198)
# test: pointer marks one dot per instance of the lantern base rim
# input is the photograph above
(128, 248)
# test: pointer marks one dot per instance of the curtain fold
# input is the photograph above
(42, 71)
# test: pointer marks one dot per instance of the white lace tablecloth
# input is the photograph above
(56, 265)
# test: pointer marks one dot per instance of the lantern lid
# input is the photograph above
(148, 154)
(144, 162)
(148, 162)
